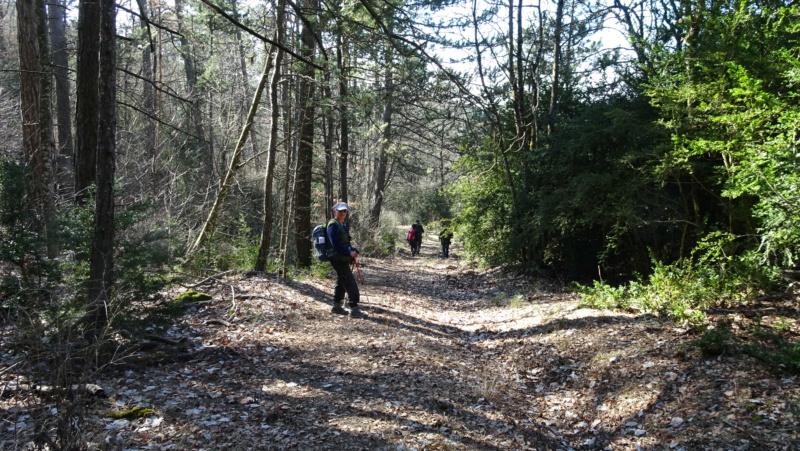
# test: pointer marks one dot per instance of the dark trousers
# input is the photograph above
(415, 246)
(446, 248)
(345, 283)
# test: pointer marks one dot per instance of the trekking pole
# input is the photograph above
(358, 268)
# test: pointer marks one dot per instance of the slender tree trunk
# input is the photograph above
(554, 89)
(47, 145)
(272, 144)
(190, 71)
(327, 143)
(150, 132)
(233, 166)
(60, 59)
(101, 268)
(386, 141)
(286, 218)
(305, 148)
(248, 92)
(344, 120)
(87, 92)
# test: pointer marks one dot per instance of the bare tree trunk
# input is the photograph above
(149, 133)
(327, 143)
(248, 93)
(286, 218)
(190, 70)
(272, 144)
(101, 267)
(559, 25)
(60, 59)
(344, 120)
(386, 137)
(305, 148)
(87, 92)
(47, 145)
(34, 112)
(233, 166)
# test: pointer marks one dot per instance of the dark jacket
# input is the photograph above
(420, 230)
(339, 237)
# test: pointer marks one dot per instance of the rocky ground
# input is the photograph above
(451, 358)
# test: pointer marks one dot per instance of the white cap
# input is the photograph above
(339, 206)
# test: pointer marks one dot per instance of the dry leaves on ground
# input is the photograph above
(450, 358)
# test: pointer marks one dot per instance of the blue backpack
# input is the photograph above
(323, 249)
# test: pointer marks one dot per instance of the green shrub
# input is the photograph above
(774, 350)
(716, 276)
(714, 342)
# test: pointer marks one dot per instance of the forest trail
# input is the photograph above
(451, 358)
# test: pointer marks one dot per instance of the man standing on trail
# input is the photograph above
(417, 243)
(339, 237)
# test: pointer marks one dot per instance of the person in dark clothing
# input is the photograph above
(339, 237)
(417, 243)
(445, 236)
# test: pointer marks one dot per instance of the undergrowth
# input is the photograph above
(683, 291)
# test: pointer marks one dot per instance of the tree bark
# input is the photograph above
(386, 141)
(196, 110)
(305, 148)
(56, 12)
(87, 92)
(101, 268)
(272, 145)
(344, 119)
(554, 88)
(150, 132)
(36, 125)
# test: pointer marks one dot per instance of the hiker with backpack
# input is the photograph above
(343, 255)
(445, 236)
(414, 237)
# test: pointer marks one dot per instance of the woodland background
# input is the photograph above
(146, 141)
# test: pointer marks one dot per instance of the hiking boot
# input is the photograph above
(338, 309)
(356, 312)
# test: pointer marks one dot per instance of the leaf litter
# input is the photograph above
(452, 357)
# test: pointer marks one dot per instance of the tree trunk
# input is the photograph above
(60, 60)
(196, 111)
(150, 131)
(272, 144)
(327, 143)
(34, 80)
(344, 120)
(29, 87)
(87, 91)
(101, 268)
(386, 136)
(248, 92)
(288, 181)
(305, 148)
(559, 25)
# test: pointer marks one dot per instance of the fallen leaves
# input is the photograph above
(442, 363)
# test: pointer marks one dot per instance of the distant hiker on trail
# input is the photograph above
(339, 237)
(445, 236)
(415, 237)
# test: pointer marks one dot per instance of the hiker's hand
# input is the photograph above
(354, 254)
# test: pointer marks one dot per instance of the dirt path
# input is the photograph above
(450, 358)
